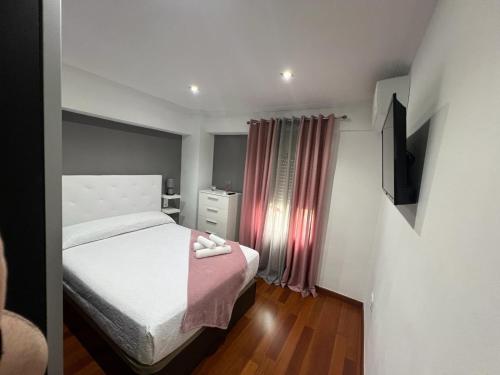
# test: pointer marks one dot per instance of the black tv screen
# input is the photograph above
(395, 158)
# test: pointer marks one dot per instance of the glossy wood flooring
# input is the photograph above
(282, 333)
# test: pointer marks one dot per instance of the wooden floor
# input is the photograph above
(282, 333)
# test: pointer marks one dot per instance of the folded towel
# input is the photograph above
(206, 242)
(219, 241)
(197, 246)
(219, 250)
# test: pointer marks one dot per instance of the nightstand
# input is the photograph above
(166, 208)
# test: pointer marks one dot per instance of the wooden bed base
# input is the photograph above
(182, 361)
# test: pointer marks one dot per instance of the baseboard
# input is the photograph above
(346, 299)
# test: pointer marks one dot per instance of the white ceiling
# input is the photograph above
(234, 50)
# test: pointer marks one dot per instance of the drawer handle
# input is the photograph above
(211, 221)
(213, 199)
(212, 209)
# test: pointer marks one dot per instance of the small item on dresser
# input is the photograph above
(197, 246)
(218, 241)
(219, 250)
(206, 242)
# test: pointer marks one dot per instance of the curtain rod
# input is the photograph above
(341, 117)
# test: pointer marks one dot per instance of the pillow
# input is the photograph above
(89, 231)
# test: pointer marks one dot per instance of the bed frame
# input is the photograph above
(94, 197)
(113, 360)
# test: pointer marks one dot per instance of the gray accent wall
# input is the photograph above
(96, 146)
(229, 161)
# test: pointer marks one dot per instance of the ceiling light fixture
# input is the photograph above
(194, 89)
(287, 75)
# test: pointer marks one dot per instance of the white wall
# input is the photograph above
(345, 262)
(354, 202)
(196, 173)
(437, 289)
(87, 93)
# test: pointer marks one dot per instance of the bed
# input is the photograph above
(126, 274)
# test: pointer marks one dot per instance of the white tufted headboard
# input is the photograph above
(88, 198)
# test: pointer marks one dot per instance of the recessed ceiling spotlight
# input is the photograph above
(287, 75)
(194, 89)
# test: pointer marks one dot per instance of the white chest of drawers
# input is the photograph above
(219, 213)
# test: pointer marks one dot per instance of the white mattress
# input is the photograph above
(134, 286)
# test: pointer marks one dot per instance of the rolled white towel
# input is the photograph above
(219, 250)
(207, 244)
(219, 241)
(197, 246)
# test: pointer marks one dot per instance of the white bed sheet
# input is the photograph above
(134, 287)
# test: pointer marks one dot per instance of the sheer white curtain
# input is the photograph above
(275, 236)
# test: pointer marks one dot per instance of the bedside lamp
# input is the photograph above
(170, 186)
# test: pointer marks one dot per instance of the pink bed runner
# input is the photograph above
(213, 286)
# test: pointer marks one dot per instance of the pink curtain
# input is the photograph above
(261, 149)
(313, 155)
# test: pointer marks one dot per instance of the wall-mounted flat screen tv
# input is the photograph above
(396, 160)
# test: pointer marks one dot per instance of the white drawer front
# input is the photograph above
(212, 212)
(209, 225)
(212, 200)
